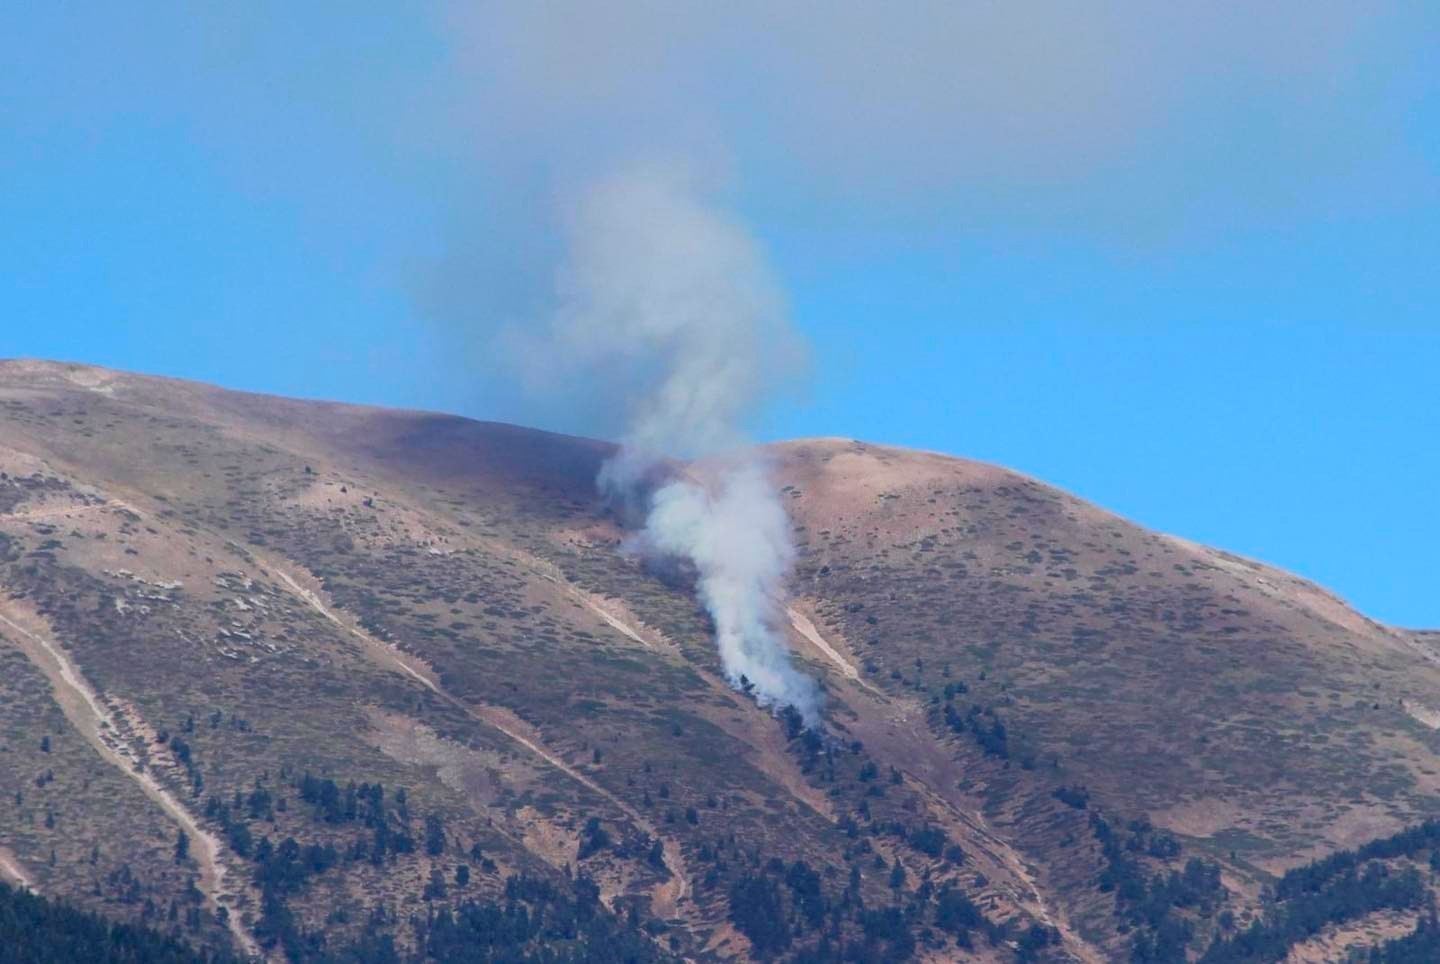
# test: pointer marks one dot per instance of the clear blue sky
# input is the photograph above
(1187, 269)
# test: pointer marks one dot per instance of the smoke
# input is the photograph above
(668, 313)
(738, 536)
(955, 126)
(665, 306)
(663, 325)
(936, 106)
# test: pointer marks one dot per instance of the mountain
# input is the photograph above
(323, 682)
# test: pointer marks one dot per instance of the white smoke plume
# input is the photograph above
(738, 536)
(667, 312)
(667, 306)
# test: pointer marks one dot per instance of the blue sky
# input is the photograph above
(1185, 267)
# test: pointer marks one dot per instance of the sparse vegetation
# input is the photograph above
(427, 708)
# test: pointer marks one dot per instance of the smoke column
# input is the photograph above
(738, 536)
(667, 305)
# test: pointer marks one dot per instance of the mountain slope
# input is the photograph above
(218, 611)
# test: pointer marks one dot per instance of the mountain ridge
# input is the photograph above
(440, 604)
(97, 376)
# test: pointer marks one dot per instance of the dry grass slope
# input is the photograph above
(252, 589)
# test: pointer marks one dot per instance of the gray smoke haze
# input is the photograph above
(666, 309)
(602, 249)
(665, 305)
(890, 101)
(1124, 122)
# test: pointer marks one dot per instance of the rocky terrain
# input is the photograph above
(299, 680)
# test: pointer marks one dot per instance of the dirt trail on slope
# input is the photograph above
(617, 616)
(669, 894)
(613, 612)
(12, 870)
(1032, 897)
(931, 769)
(391, 655)
(806, 628)
(51, 511)
(92, 718)
(665, 898)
